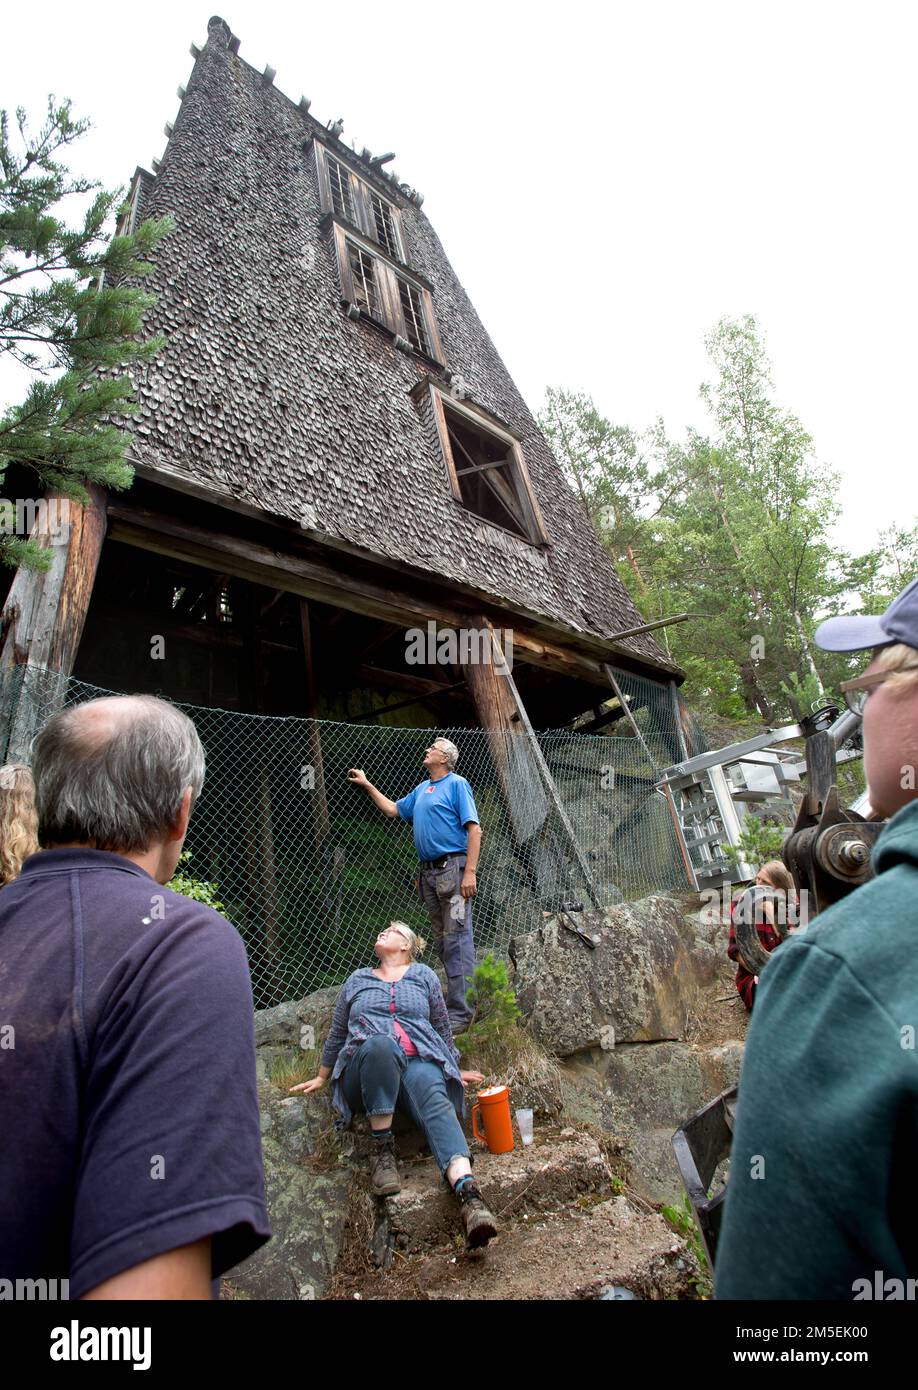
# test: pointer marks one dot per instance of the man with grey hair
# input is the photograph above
(447, 836)
(130, 1152)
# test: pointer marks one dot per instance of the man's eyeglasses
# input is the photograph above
(857, 692)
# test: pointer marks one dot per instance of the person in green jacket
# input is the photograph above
(821, 1201)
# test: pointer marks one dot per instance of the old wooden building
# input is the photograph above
(329, 453)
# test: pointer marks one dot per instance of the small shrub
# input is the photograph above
(491, 998)
(682, 1220)
(760, 841)
(195, 888)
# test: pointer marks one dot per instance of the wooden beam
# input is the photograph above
(593, 650)
(399, 680)
(251, 560)
(45, 611)
(311, 578)
(526, 783)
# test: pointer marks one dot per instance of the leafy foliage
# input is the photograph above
(69, 315)
(735, 529)
(760, 841)
(682, 1220)
(196, 888)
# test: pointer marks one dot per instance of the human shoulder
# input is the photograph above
(424, 974)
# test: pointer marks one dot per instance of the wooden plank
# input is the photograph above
(626, 708)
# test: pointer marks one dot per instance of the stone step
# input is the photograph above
(560, 1167)
(578, 1252)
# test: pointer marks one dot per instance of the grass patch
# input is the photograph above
(285, 1072)
(509, 1055)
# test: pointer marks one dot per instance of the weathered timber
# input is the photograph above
(45, 611)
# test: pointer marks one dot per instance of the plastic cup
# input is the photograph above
(524, 1120)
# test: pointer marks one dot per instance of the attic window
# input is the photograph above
(340, 190)
(363, 277)
(487, 471)
(413, 311)
(385, 225)
(351, 198)
(389, 297)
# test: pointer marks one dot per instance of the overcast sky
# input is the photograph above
(608, 181)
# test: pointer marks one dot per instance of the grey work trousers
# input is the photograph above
(451, 918)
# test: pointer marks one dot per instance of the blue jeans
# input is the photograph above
(380, 1076)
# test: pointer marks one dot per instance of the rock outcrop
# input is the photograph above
(643, 981)
(622, 1052)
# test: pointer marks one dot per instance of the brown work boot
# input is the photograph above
(384, 1178)
(480, 1225)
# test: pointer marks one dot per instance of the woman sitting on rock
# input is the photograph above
(390, 1041)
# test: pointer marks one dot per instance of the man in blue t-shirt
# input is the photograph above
(447, 836)
(130, 1148)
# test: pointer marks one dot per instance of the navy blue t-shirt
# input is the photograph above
(129, 1119)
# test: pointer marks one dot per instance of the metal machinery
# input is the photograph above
(828, 853)
(709, 794)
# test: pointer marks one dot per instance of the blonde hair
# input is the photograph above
(902, 661)
(416, 944)
(779, 875)
(18, 819)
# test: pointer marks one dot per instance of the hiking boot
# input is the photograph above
(384, 1178)
(480, 1225)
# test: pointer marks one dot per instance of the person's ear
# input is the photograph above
(180, 825)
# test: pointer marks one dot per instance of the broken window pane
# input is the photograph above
(385, 225)
(363, 274)
(487, 475)
(340, 184)
(413, 309)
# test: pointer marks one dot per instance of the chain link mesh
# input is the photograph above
(308, 870)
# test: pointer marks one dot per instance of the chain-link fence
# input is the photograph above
(309, 870)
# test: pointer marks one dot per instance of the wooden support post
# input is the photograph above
(329, 859)
(45, 612)
(526, 782)
(626, 709)
(677, 826)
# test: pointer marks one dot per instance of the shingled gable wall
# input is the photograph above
(267, 393)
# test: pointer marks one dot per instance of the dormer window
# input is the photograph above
(413, 313)
(384, 223)
(395, 299)
(486, 468)
(340, 189)
(350, 197)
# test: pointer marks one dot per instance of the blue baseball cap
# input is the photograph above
(898, 624)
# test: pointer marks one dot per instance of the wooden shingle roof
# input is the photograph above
(270, 396)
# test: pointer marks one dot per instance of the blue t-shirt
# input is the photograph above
(129, 1118)
(438, 812)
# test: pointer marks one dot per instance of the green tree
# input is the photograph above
(70, 313)
(733, 529)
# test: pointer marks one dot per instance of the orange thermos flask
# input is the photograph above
(493, 1105)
